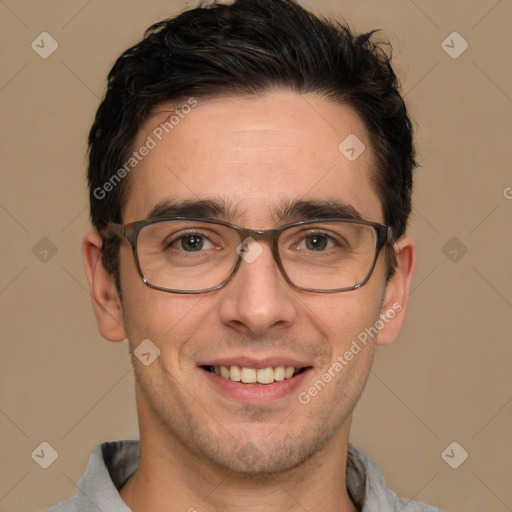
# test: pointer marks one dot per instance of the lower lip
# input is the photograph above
(256, 393)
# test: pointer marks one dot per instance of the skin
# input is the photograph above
(196, 444)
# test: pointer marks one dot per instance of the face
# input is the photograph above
(253, 156)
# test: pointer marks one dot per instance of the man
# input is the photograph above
(250, 174)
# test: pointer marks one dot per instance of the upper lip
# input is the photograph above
(257, 363)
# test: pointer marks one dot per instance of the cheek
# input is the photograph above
(150, 313)
(342, 317)
(164, 318)
(173, 322)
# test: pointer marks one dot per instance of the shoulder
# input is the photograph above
(68, 505)
(367, 486)
(110, 465)
(414, 506)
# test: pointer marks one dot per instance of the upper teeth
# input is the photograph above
(253, 375)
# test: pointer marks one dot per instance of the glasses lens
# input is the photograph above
(191, 256)
(187, 255)
(328, 255)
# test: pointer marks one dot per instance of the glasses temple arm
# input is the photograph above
(111, 230)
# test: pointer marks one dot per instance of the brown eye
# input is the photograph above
(191, 242)
(316, 242)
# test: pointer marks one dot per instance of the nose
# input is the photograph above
(258, 299)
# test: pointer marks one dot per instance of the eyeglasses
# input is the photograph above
(187, 255)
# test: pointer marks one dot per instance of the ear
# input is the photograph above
(397, 291)
(105, 299)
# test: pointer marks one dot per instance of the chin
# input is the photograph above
(265, 457)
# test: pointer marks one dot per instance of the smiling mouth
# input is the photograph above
(247, 375)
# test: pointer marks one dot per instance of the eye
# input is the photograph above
(192, 242)
(316, 242)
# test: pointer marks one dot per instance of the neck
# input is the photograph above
(171, 478)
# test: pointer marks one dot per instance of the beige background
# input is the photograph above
(446, 379)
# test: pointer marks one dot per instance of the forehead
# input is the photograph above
(254, 154)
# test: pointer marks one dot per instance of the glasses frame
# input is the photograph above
(130, 232)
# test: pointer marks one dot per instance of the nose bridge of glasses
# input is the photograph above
(251, 247)
(258, 235)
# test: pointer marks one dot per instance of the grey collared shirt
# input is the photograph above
(112, 464)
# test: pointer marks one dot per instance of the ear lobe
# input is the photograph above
(105, 299)
(397, 291)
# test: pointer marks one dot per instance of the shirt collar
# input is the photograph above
(111, 464)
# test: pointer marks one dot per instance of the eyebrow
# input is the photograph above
(315, 209)
(202, 208)
(287, 211)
